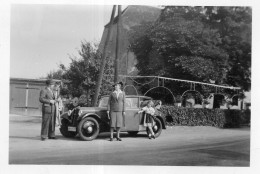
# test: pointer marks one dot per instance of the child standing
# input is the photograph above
(148, 118)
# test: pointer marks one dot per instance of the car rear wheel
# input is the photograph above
(64, 129)
(133, 133)
(88, 129)
(157, 128)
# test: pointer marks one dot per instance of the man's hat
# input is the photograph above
(50, 82)
(120, 83)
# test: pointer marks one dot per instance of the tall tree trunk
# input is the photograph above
(102, 66)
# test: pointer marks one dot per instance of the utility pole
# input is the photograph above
(103, 62)
(117, 45)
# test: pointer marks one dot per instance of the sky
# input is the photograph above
(43, 36)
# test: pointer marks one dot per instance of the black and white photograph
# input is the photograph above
(129, 85)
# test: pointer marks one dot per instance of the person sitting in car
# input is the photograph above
(148, 118)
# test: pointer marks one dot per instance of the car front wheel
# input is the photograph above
(88, 129)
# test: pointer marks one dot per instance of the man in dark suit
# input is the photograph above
(116, 110)
(47, 98)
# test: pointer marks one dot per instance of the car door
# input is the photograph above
(132, 116)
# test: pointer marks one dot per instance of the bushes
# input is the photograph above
(205, 117)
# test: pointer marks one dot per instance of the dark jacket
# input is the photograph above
(45, 97)
(116, 104)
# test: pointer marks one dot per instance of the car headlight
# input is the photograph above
(80, 112)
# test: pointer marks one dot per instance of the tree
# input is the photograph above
(55, 74)
(196, 43)
(81, 75)
(234, 25)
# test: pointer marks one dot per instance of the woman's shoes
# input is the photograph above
(53, 138)
(153, 136)
(149, 137)
(118, 139)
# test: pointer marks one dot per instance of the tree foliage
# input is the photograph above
(81, 75)
(196, 43)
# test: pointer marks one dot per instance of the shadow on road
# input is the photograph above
(38, 138)
(102, 136)
(29, 138)
(106, 136)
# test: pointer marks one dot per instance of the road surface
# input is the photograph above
(177, 146)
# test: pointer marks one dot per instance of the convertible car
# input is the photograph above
(88, 122)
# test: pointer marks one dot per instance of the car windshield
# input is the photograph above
(103, 102)
(130, 102)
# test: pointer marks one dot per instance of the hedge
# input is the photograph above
(222, 118)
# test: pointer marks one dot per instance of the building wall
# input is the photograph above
(24, 96)
(133, 15)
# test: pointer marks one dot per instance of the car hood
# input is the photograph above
(91, 109)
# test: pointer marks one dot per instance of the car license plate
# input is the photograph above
(72, 129)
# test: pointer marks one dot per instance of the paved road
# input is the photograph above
(177, 146)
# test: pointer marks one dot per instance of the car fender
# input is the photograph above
(162, 121)
(65, 116)
(90, 115)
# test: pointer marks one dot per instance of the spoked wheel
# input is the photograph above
(88, 129)
(64, 129)
(157, 128)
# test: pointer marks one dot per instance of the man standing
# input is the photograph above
(47, 99)
(116, 110)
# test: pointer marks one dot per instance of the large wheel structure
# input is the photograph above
(162, 87)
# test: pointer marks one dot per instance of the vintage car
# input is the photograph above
(88, 122)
